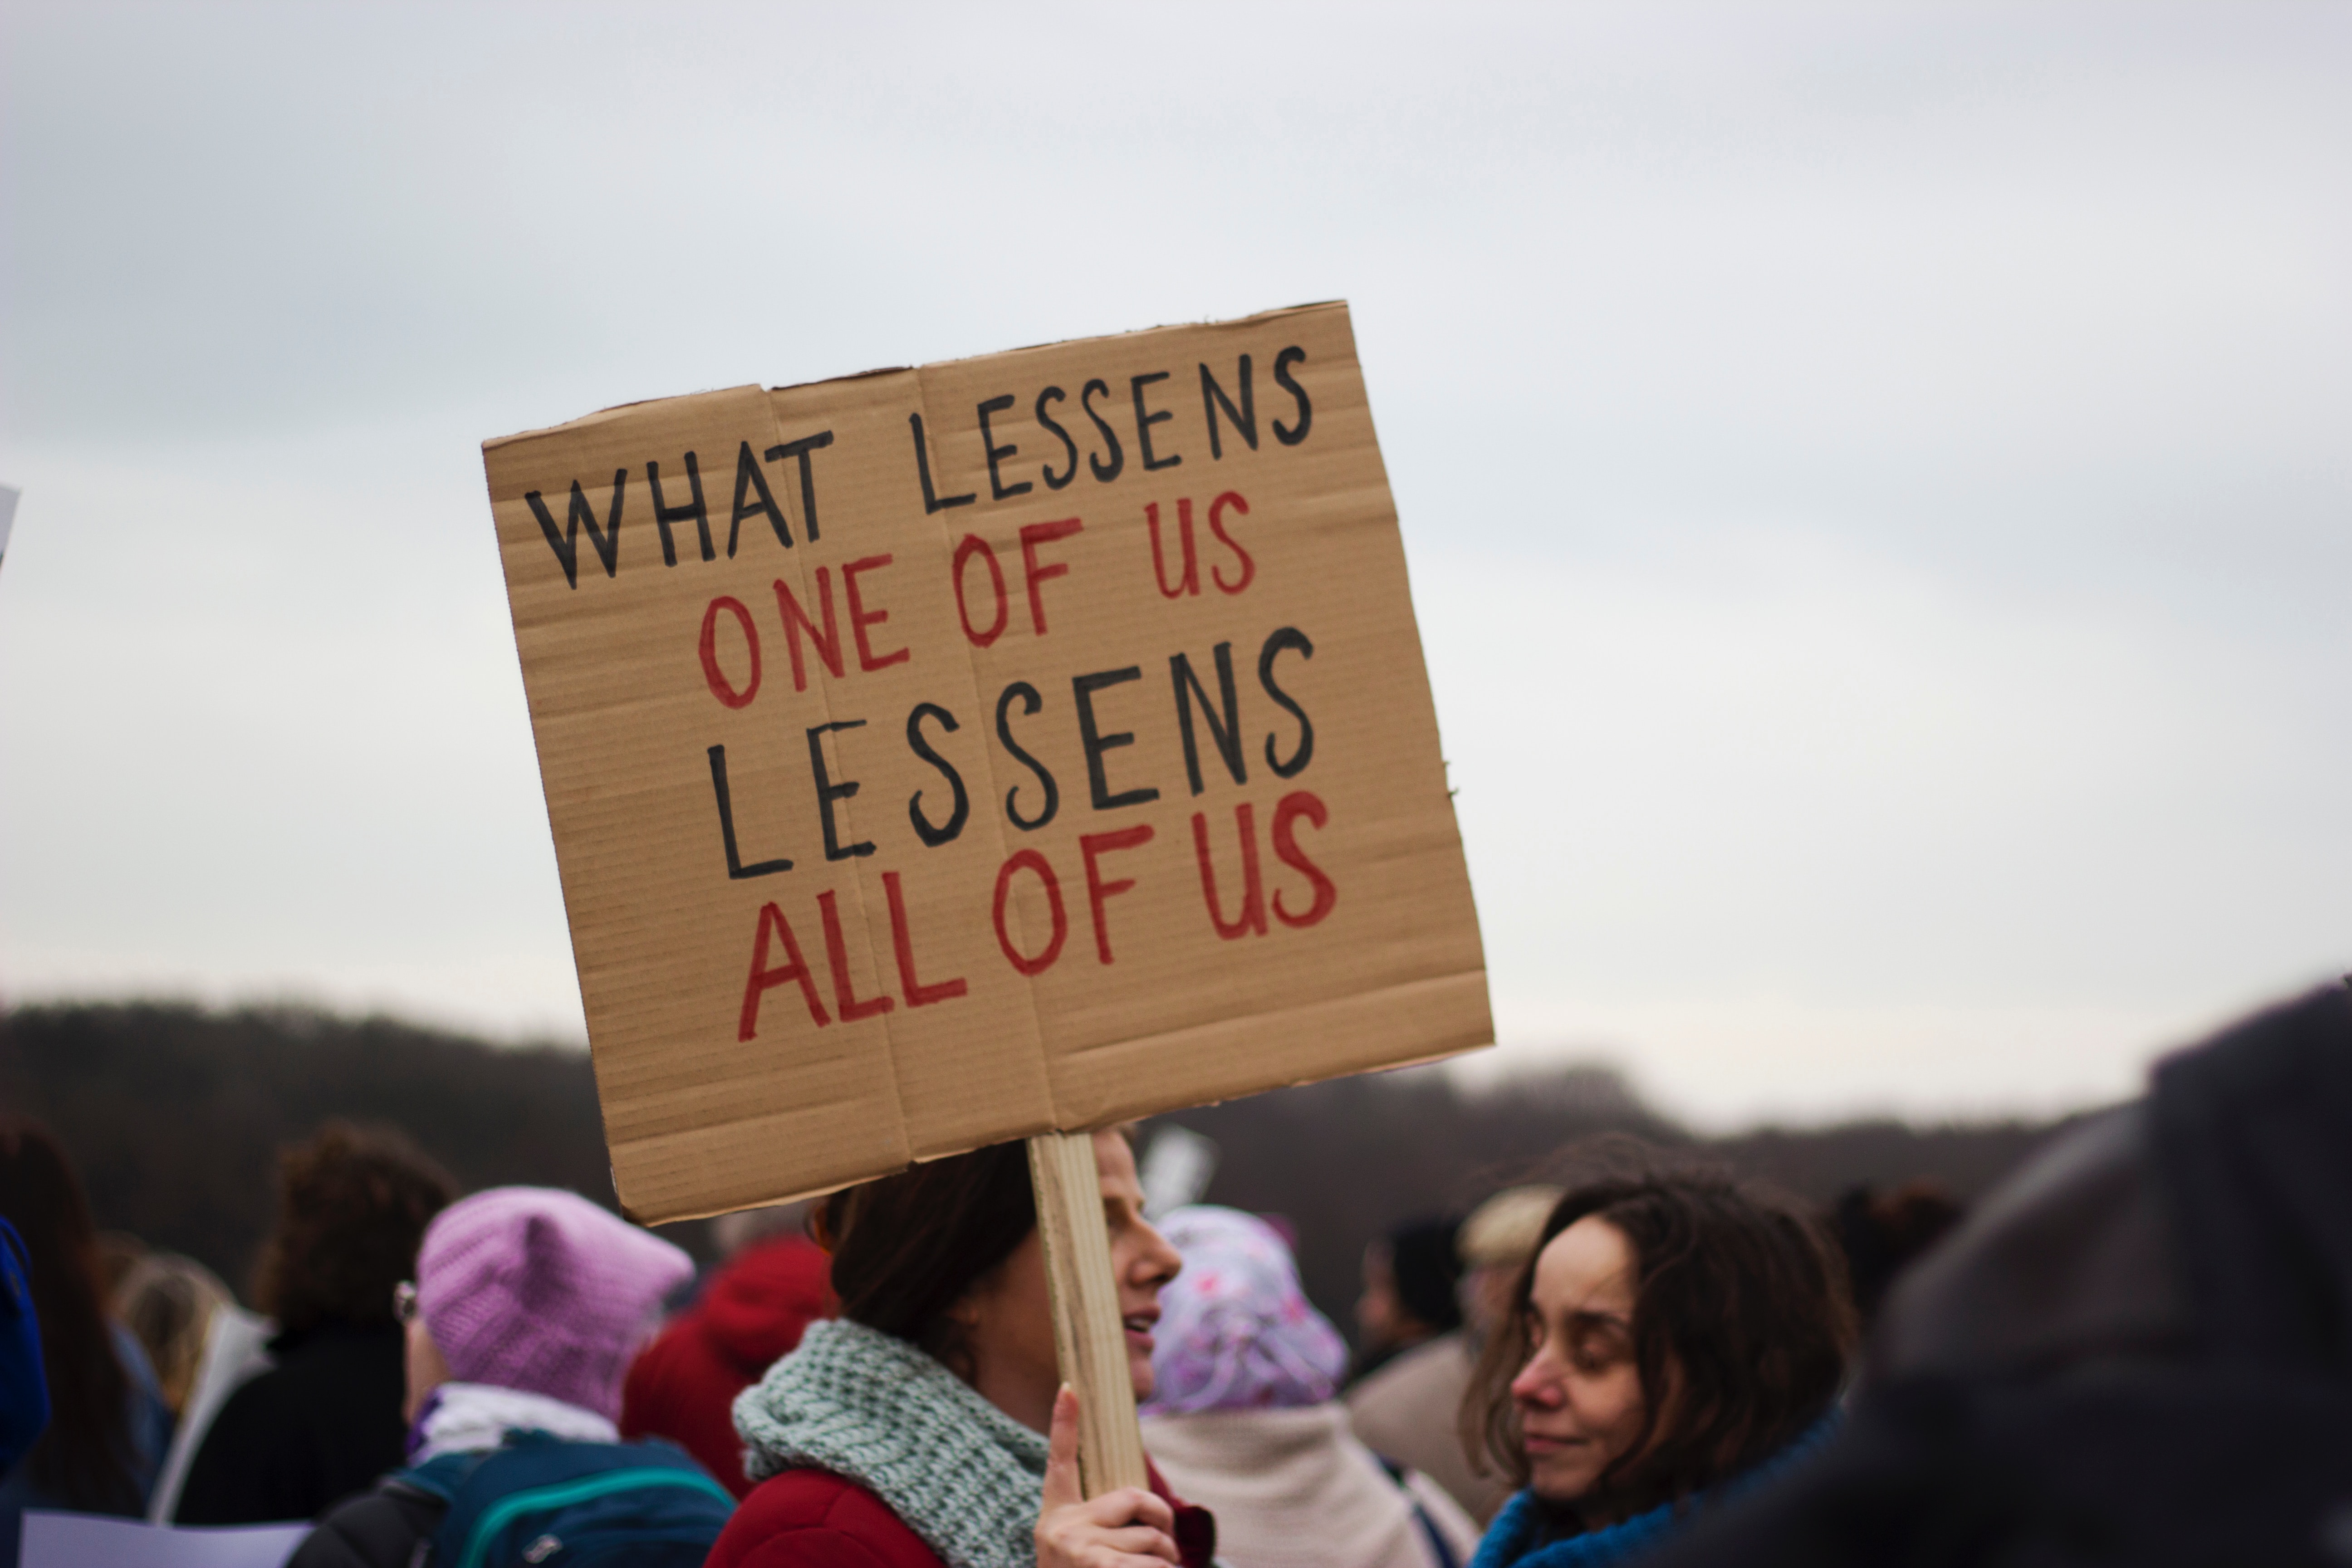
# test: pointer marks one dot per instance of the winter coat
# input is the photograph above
(1294, 1488)
(871, 1453)
(2132, 1350)
(1410, 1410)
(683, 1385)
(320, 1426)
(814, 1518)
(383, 1528)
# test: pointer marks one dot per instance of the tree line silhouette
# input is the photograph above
(177, 1114)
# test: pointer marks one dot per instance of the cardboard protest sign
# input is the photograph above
(941, 756)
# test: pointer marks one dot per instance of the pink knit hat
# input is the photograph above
(538, 1288)
(1235, 1329)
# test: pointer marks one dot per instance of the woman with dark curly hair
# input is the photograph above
(324, 1422)
(1673, 1337)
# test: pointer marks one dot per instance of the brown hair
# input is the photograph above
(1739, 1308)
(905, 1248)
(87, 1458)
(1882, 1233)
(352, 1205)
(168, 1302)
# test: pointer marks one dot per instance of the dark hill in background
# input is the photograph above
(1346, 1160)
(176, 1113)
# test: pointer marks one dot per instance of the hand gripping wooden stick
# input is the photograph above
(1088, 1338)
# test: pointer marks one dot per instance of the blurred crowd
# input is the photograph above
(2137, 1350)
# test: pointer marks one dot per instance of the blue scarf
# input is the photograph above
(1509, 1541)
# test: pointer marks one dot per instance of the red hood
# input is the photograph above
(757, 1306)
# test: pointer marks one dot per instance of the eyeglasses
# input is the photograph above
(403, 1300)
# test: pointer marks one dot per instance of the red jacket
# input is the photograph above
(683, 1385)
(814, 1518)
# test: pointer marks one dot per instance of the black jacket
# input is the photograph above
(383, 1529)
(320, 1426)
(2136, 1351)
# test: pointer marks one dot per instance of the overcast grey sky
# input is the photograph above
(1875, 475)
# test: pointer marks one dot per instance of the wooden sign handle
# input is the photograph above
(1088, 1338)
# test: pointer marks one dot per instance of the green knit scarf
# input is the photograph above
(869, 1407)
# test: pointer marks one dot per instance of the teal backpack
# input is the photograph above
(539, 1501)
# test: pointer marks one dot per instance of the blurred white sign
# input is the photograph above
(236, 1349)
(85, 1539)
(1176, 1169)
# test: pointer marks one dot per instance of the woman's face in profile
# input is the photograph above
(1580, 1397)
(1008, 1316)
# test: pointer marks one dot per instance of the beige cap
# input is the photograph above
(1505, 1228)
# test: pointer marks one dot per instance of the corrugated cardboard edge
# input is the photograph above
(1312, 1016)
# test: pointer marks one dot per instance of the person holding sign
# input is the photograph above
(928, 1424)
(1674, 1340)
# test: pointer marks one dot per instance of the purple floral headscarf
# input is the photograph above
(1235, 1332)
